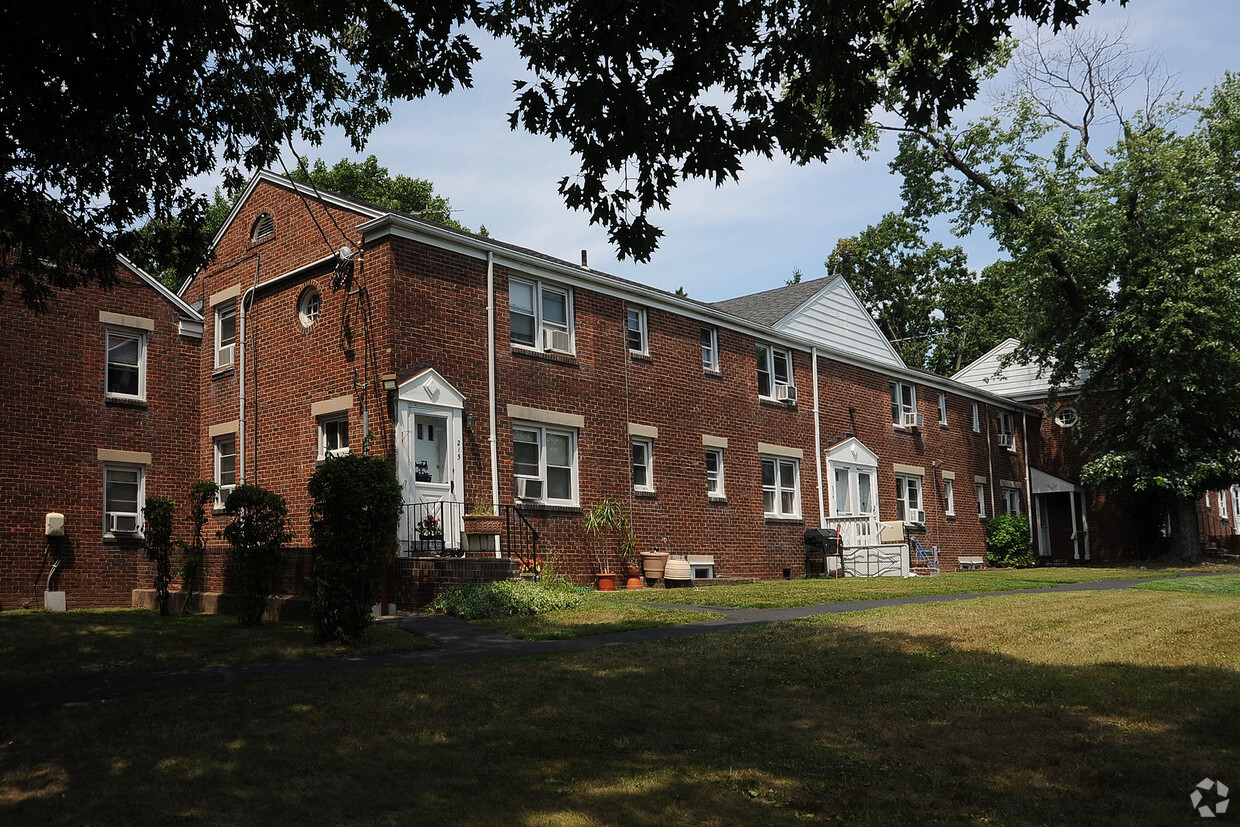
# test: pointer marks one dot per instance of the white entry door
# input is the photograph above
(429, 458)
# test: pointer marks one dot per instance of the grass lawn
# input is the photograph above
(787, 593)
(1030, 709)
(38, 648)
(596, 617)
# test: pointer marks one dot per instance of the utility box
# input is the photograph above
(54, 524)
(54, 601)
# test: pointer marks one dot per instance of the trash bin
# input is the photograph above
(821, 544)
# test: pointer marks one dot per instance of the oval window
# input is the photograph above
(1066, 417)
(309, 306)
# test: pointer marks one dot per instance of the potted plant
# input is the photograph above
(482, 520)
(628, 561)
(430, 533)
(606, 517)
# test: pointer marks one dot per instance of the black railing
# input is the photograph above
(445, 529)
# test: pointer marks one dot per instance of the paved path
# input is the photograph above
(458, 640)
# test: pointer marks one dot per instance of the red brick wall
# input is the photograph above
(56, 419)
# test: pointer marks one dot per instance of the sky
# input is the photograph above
(742, 237)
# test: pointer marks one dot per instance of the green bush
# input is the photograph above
(478, 601)
(257, 537)
(354, 519)
(1007, 542)
(157, 539)
(201, 495)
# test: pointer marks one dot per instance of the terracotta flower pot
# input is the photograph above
(653, 563)
(606, 581)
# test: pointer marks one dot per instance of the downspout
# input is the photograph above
(491, 375)
(822, 515)
(249, 294)
(1024, 424)
(990, 462)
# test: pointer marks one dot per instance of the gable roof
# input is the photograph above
(770, 307)
(158, 286)
(1018, 380)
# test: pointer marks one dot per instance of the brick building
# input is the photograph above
(101, 412)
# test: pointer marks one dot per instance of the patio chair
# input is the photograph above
(925, 556)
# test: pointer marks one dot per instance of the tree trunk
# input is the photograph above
(1185, 538)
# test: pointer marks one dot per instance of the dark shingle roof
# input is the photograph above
(769, 306)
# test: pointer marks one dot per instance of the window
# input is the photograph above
(714, 472)
(309, 306)
(225, 334)
(1222, 505)
(334, 436)
(638, 339)
(126, 364)
(908, 499)
(942, 409)
(977, 420)
(122, 499)
(539, 316)
(903, 405)
(225, 466)
(854, 491)
(643, 464)
(264, 227)
(1011, 500)
(710, 349)
(1007, 431)
(548, 454)
(1067, 416)
(774, 370)
(981, 500)
(949, 497)
(781, 488)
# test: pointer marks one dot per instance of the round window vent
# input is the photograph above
(1066, 417)
(309, 306)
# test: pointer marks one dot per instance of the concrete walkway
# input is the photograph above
(458, 640)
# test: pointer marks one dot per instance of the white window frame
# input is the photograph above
(636, 325)
(949, 497)
(124, 468)
(851, 490)
(981, 500)
(1006, 424)
(714, 479)
(541, 433)
(1222, 505)
(327, 424)
(902, 403)
(225, 310)
(909, 506)
(539, 291)
(777, 489)
(113, 337)
(710, 349)
(219, 453)
(642, 451)
(942, 408)
(770, 359)
(1011, 499)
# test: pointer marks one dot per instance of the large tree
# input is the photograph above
(120, 104)
(1129, 256)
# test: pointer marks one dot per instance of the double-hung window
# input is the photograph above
(781, 487)
(714, 472)
(548, 454)
(126, 377)
(949, 497)
(942, 409)
(1222, 505)
(977, 420)
(225, 449)
(643, 464)
(710, 349)
(333, 435)
(774, 370)
(639, 340)
(903, 405)
(1007, 431)
(981, 500)
(225, 334)
(540, 316)
(1011, 499)
(122, 499)
(908, 499)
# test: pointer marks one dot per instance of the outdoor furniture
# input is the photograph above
(925, 557)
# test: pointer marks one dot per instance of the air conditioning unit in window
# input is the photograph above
(224, 356)
(554, 339)
(913, 420)
(916, 518)
(528, 488)
(786, 393)
(122, 524)
(1006, 441)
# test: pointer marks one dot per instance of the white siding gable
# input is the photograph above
(1016, 381)
(834, 318)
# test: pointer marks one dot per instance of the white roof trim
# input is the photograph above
(172, 298)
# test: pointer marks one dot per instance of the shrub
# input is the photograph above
(354, 519)
(157, 540)
(478, 601)
(1007, 542)
(194, 552)
(257, 537)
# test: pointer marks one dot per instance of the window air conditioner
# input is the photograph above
(129, 522)
(554, 339)
(224, 356)
(1005, 440)
(528, 488)
(917, 517)
(914, 420)
(786, 393)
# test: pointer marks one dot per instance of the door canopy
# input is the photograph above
(429, 388)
